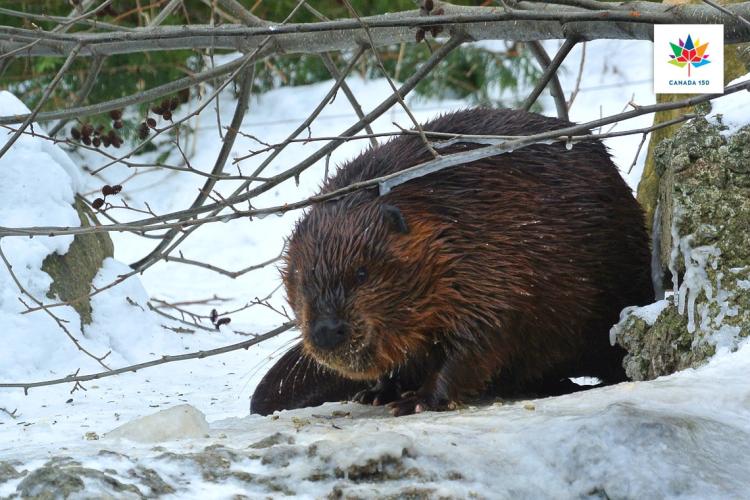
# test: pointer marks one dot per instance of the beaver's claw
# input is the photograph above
(383, 392)
(414, 402)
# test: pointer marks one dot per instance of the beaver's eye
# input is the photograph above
(361, 275)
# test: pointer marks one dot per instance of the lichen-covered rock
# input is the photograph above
(73, 272)
(64, 478)
(704, 199)
(8, 472)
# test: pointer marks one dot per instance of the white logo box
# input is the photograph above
(702, 71)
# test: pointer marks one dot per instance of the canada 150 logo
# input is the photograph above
(688, 67)
(689, 53)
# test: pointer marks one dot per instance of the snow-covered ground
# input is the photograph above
(684, 436)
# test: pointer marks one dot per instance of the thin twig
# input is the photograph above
(728, 12)
(137, 98)
(217, 269)
(45, 96)
(577, 87)
(64, 21)
(239, 114)
(388, 78)
(331, 67)
(236, 9)
(163, 360)
(310, 118)
(562, 134)
(161, 249)
(88, 85)
(550, 75)
(11, 414)
(193, 324)
(165, 12)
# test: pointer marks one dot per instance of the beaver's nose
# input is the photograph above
(327, 333)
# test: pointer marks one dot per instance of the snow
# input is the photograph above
(651, 312)
(38, 187)
(686, 435)
(648, 313)
(683, 436)
(731, 111)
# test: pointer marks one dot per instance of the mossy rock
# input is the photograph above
(73, 272)
(662, 348)
(705, 196)
(62, 477)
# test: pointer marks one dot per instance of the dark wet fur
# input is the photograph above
(297, 381)
(513, 270)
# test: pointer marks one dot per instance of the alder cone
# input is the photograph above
(502, 276)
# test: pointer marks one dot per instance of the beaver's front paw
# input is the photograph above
(415, 402)
(383, 392)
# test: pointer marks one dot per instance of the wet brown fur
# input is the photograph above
(511, 274)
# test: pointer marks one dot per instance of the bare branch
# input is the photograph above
(331, 67)
(550, 75)
(577, 87)
(88, 85)
(11, 414)
(66, 21)
(239, 113)
(728, 12)
(236, 9)
(414, 121)
(161, 249)
(45, 96)
(77, 379)
(137, 98)
(211, 267)
(540, 21)
(165, 12)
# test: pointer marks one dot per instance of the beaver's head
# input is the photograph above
(362, 281)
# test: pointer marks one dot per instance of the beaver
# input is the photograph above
(501, 276)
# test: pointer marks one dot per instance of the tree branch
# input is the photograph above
(386, 183)
(540, 21)
(77, 379)
(45, 96)
(138, 98)
(550, 76)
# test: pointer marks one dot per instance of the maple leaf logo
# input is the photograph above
(689, 53)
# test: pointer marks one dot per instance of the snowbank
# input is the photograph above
(38, 189)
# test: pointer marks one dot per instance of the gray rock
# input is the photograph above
(8, 471)
(62, 478)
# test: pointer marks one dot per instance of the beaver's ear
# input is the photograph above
(395, 219)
